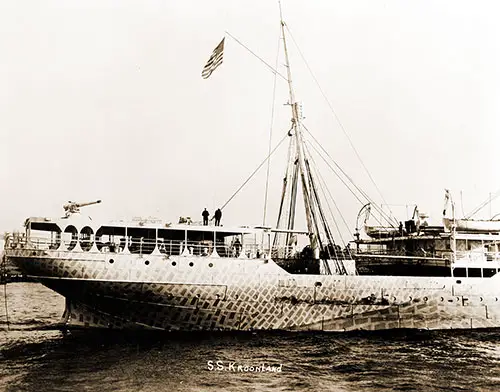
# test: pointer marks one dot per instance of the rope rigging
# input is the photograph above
(4, 276)
(254, 172)
(323, 186)
(273, 70)
(301, 168)
(271, 130)
(337, 118)
(482, 205)
(388, 219)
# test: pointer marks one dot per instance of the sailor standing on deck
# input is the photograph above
(205, 215)
(217, 216)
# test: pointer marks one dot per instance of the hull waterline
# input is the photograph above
(190, 293)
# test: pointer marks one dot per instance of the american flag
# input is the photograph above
(214, 61)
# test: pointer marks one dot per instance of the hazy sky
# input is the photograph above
(104, 100)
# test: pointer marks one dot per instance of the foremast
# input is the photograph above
(297, 132)
(299, 166)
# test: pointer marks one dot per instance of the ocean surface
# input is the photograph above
(34, 356)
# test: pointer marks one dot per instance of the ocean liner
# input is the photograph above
(150, 274)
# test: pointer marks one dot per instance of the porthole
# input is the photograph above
(318, 284)
(210, 265)
(174, 263)
(459, 281)
(481, 299)
(146, 262)
(425, 299)
(442, 299)
(236, 296)
(111, 261)
(191, 264)
(410, 297)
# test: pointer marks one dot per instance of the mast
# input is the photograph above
(296, 126)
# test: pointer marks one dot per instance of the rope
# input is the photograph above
(273, 70)
(323, 185)
(4, 265)
(255, 171)
(482, 205)
(352, 192)
(363, 193)
(271, 132)
(337, 117)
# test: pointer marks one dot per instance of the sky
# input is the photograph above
(104, 100)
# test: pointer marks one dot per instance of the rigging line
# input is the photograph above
(271, 131)
(376, 208)
(337, 174)
(483, 204)
(4, 265)
(284, 190)
(317, 198)
(326, 228)
(323, 185)
(273, 70)
(336, 117)
(462, 203)
(6, 306)
(255, 171)
(363, 193)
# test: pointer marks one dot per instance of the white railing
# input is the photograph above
(477, 257)
(144, 246)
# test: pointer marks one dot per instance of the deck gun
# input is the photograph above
(73, 207)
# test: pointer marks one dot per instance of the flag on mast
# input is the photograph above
(214, 61)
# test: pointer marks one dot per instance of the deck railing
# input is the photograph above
(144, 246)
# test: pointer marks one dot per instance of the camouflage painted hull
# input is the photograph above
(194, 293)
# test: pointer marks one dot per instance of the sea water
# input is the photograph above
(35, 356)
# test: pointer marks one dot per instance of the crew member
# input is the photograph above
(205, 215)
(217, 216)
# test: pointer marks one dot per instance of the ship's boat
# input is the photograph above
(472, 225)
(381, 231)
(151, 274)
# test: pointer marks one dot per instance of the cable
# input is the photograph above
(337, 117)
(323, 185)
(271, 131)
(4, 265)
(255, 171)
(483, 204)
(363, 193)
(270, 67)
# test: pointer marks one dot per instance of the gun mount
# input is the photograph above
(73, 207)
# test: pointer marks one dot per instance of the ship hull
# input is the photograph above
(193, 293)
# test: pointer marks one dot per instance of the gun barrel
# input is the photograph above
(88, 203)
